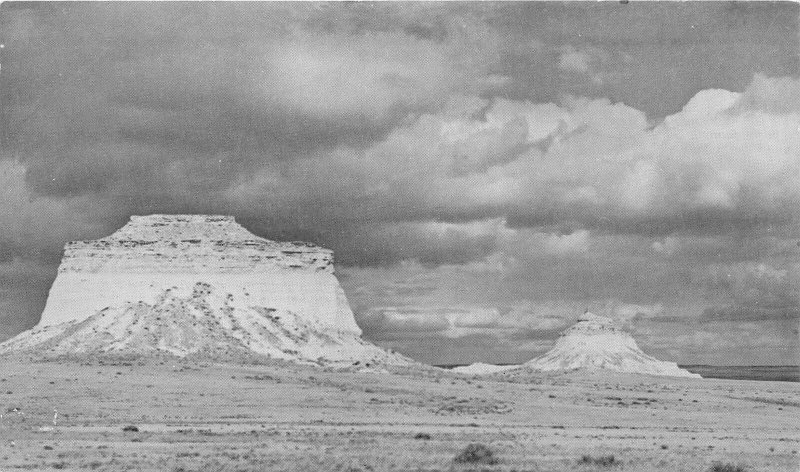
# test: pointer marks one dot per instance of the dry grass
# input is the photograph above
(602, 461)
(476, 454)
(720, 467)
(298, 419)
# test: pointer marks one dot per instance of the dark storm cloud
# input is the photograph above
(765, 296)
(760, 292)
(537, 334)
(644, 41)
(790, 314)
(430, 246)
(20, 306)
(97, 94)
(146, 105)
(700, 222)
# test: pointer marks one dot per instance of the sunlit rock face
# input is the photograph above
(596, 342)
(197, 285)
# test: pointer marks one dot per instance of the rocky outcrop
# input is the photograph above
(198, 286)
(592, 343)
(596, 342)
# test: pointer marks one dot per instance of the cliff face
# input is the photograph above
(596, 342)
(158, 252)
(197, 285)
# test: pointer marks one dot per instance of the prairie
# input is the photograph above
(180, 416)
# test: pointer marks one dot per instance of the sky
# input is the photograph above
(485, 172)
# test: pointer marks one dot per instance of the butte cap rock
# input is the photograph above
(596, 342)
(198, 286)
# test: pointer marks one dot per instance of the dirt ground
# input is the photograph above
(186, 417)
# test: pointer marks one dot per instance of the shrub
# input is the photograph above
(422, 436)
(603, 461)
(476, 454)
(720, 467)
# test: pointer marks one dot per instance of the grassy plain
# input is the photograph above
(180, 416)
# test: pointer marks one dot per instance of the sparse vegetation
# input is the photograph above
(409, 433)
(720, 467)
(476, 454)
(773, 401)
(602, 461)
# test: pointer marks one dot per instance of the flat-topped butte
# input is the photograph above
(198, 286)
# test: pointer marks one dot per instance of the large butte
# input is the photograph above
(198, 286)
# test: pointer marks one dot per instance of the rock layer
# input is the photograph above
(197, 285)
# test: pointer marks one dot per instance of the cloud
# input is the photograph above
(771, 94)
(430, 243)
(667, 247)
(574, 61)
(378, 130)
(523, 321)
(751, 280)
(741, 313)
(33, 226)
(256, 86)
(577, 242)
(360, 79)
(700, 171)
(20, 301)
(388, 322)
(758, 291)
(585, 61)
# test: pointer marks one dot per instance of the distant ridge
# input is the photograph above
(773, 373)
(769, 373)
